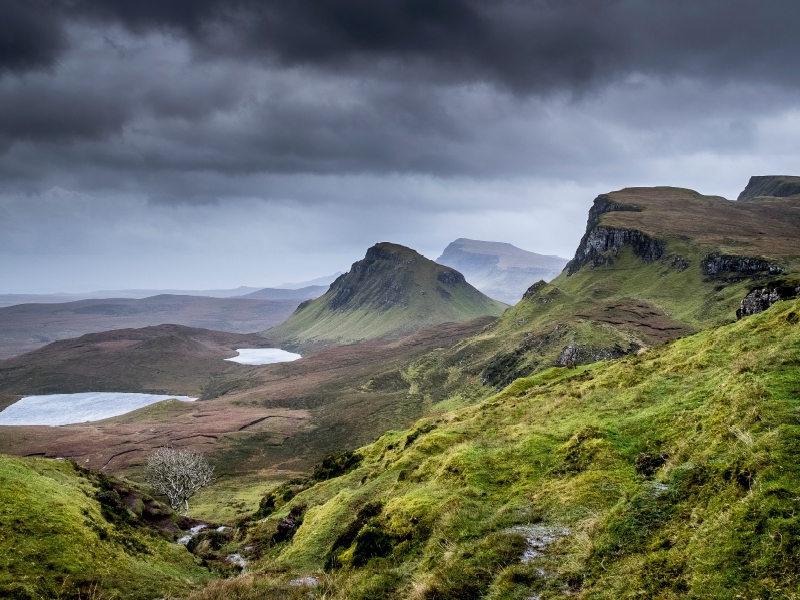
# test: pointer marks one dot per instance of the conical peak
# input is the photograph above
(393, 253)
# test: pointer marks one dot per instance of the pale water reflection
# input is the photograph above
(62, 409)
(263, 356)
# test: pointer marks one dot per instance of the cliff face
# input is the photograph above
(778, 186)
(736, 268)
(598, 240)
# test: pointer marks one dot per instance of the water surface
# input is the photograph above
(62, 409)
(263, 356)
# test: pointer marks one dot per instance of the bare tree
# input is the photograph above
(179, 475)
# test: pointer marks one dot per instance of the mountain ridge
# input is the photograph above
(391, 292)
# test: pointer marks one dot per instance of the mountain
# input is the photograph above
(392, 292)
(500, 270)
(26, 327)
(304, 293)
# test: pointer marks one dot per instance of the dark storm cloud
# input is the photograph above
(532, 46)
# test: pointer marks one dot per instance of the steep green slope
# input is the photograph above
(670, 473)
(392, 292)
(64, 534)
(654, 264)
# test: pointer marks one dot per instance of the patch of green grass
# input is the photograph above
(568, 453)
(56, 541)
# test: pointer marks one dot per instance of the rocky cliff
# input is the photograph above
(599, 240)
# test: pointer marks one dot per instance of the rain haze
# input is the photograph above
(207, 144)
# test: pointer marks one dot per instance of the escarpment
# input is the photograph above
(598, 240)
(736, 268)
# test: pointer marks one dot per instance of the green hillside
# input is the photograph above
(670, 473)
(392, 292)
(66, 533)
(653, 265)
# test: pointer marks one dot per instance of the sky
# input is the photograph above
(199, 144)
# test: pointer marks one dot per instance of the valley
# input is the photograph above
(625, 429)
(26, 327)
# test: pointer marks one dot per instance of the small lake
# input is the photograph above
(63, 409)
(263, 356)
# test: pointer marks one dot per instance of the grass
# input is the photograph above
(671, 473)
(56, 541)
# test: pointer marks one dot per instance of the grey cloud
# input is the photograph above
(531, 46)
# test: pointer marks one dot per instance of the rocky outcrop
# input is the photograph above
(780, 186)
(760, 299)
(535, 288)
(598, 240)
(736, 268)
(578, 354)
(450, 277)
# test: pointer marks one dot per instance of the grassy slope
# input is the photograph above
(628, 303)
(568, 449)
(396, 298)
(55, 541)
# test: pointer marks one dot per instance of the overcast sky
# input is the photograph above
(216, 143)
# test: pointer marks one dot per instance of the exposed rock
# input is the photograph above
(780, 186)
(736, 268)
(761, 299)
(598, 240)
(578, 354)
(679, 263)
(535, 288)
(450, 277)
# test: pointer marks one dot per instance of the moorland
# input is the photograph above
(628, 429)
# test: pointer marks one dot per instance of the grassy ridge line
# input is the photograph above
(57, 542)
(674, 473)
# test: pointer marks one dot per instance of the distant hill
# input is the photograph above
(14, 299)
(305, 293)
(326, 281)
(26, 327)
(775, 186)
(500, 270)
(392, 292)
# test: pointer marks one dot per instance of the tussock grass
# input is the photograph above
(675, 471)
(57, 542)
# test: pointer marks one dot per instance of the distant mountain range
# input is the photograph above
(305, 293)
(302, 290)
(500, 270)
(324, 281)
